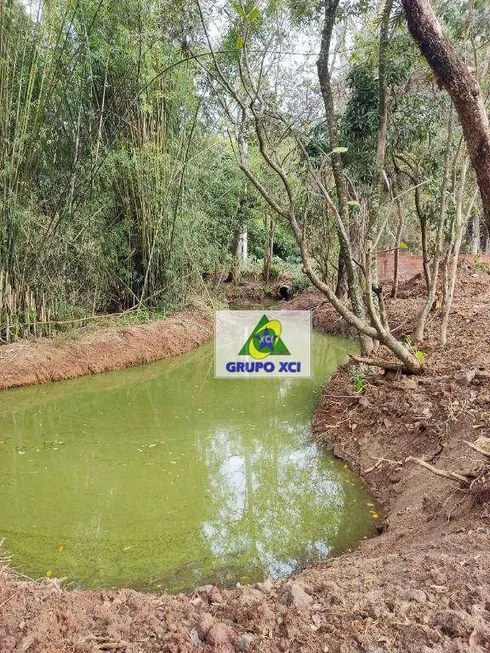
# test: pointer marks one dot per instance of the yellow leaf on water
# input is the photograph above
(374, 515)
(49, 573)
(61, 548)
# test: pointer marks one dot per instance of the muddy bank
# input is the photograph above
(102, 349)
(422, 585)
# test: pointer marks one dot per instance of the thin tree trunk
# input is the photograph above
(455, 77)
(425, 251)
(459, 229)
(398, 235)
(423, 236)
(269, 247)
(324, 78)
(418, 334)
(476, 235)
(413, 176)
(233, 276)
(341, 286)
(383, 96)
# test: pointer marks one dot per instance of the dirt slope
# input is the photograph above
(422, 585)
(44, 360)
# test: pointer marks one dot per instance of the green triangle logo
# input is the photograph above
(265, 340)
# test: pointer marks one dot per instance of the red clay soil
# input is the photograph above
(422, 585)
(43, 360)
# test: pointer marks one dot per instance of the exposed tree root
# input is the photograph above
(453, 476)
(379, 461)
(475, 447)
(384, 365)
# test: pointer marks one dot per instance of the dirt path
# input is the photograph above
(422, 585)
(90, 351)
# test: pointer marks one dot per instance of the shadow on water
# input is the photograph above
(163, 477)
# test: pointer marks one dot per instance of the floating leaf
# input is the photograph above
(61, 548)
(49, 573)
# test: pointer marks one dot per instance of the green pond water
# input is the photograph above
(161, 477)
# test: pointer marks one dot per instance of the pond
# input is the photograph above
(161, 477)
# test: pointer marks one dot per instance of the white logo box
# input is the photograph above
(233, 330)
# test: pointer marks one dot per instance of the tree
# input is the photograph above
(454, 76)
(247, 100)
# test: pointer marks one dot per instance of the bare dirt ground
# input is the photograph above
(422, 585)
(89, 351)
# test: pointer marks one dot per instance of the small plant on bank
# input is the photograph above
(418, 353)
(358, 380)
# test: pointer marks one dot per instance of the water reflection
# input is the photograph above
(163, 476)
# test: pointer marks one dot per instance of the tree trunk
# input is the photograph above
(237, 245)
(459, 228)
(341, 286)
(399, 228)
(425, 251)
(454, 76)
(423, 236)
(270, 224)
(383, 97)
(324, 78)
(475, 236)
(418, 334)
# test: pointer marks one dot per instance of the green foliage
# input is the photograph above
(300, 282)
(419, 355)
(115, 192)
(359, 124)
(358, 380)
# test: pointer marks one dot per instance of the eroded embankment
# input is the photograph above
(422, 585)
(102, 349)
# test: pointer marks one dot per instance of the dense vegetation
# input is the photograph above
(140, 141)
